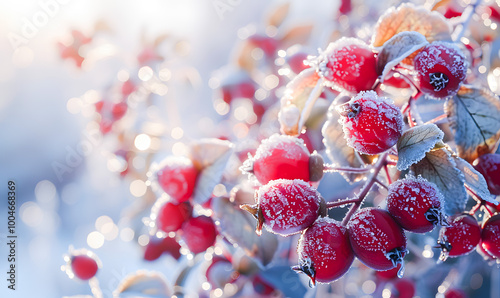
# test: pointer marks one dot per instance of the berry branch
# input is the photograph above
(461, 28)
(366, 188)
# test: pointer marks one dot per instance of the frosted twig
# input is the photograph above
(331, 169)
(366, 188)
(467, 14)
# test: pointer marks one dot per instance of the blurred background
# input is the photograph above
(76, 185)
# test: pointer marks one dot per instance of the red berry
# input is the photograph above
(171, 216)
(279, 157)
(262, 287)
(267, 44)
(441, 68)
(177, 177)
(324, 251)
(415, 204)
(489, 166)
(403, 288)
(285, 207)
(490, 236)
(376, 239)
(157, 246)
(460, 238)
(296, 61)
(371, 124)
(348, 64)
(83, 266)
(199, 233)
(128, 87)
(388, 274)
(455, 293)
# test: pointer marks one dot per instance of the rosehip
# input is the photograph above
(403, 288)
(441, 68)
(199, 233)
(286, 207)
(171, 216)
(489, 166)
(83, 266)
(455, 293)
(280, 157)
(415, 204)
(157, 246)
(177, 177)
(348, 64)
(377, 240)
(296, 61)
(490, 236)
(371, 124)
(324, 251)
(460, 238)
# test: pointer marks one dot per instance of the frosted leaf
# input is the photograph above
(294, 99)
(278, 14)
(211, 157)
(408, 17)
(336, 147)
(415, 143)
(439, 168)
(238, 226)
(397, 49)
(299, 34)
(474, 180)
(143, 283)
(474, 116)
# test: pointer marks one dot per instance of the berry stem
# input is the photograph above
(437, 119)
(467, 15)
(474, 194)
(311, 100)
(366, 188)
(474, 209)
(387, 174)
(332, 169)
(340, 203)
(381, 183)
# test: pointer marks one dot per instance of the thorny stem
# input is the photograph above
(468, 13)
(331, 169)
(366, 188)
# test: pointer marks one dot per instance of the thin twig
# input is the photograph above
(341, 203)
(468, 13)
(330, 169)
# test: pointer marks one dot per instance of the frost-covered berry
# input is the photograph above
(286, 207)
(348, 64)
(377, 240)
(371, 124)
(441, 68)
(402, 288)
(177, 177)
(83, 266)
(171, 216)
(460, 238)
(489, 166)
(324, 251)
(490, 236)
(415, 204)
(280, 157)
(199, 233)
